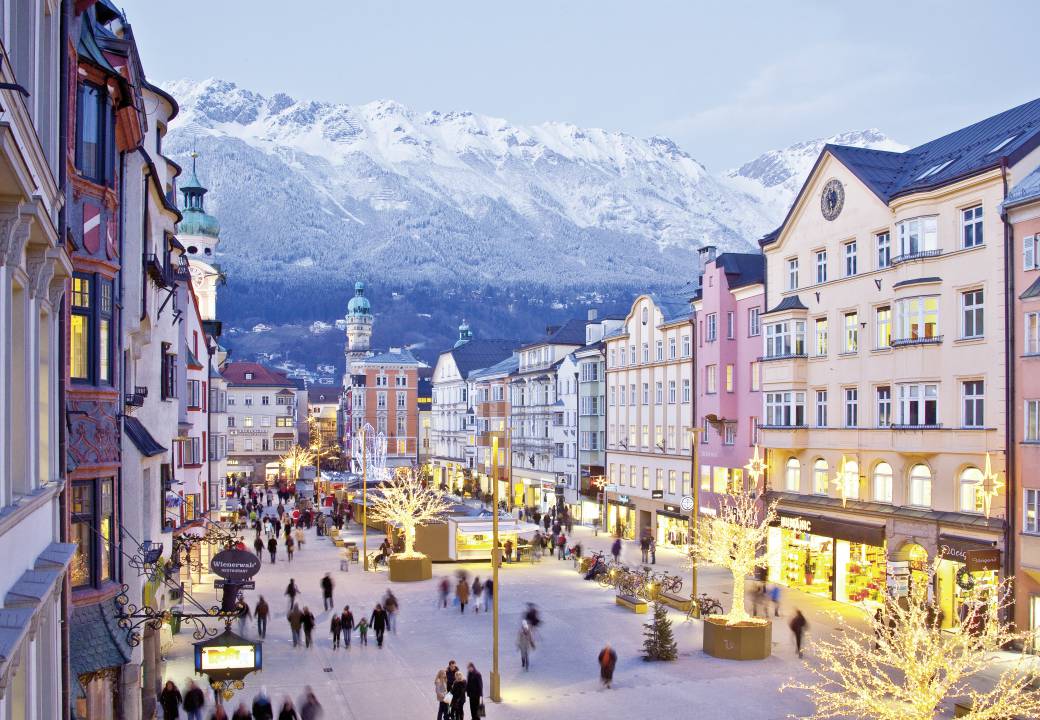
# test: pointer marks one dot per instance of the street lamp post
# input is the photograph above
(364, 498)
(695, 483)
(496, 557)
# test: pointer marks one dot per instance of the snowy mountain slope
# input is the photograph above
(774, 178)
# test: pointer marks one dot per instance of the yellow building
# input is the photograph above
(884, 365)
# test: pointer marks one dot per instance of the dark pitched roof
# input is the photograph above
(235, 374)
(324, 393)
(672, 307)
(1032, 291)
(1025, 190)
(95, 641)
(476, 353)
(396, 357)
(502, 367)
(969, 151)
(791, 302)
(141, 438)
(918, 281)
(571, 332)
(743, 269)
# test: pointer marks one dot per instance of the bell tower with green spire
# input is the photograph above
(199, 233)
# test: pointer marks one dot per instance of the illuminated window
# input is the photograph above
(821, 477)
(883, 482)
(971, 493)
(80, 330)
(920, 486)
(793, 475)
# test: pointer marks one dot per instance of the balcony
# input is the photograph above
(133, 400)
(788, 356)
(785, 372)
(913, 342)
(919, 255)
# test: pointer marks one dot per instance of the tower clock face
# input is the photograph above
(197, 275)
(832, 199)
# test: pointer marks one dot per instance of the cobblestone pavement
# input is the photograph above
(578, 619)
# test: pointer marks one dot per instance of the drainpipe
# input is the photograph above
(1010, 485)
(577, 442)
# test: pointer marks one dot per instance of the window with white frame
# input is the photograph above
(658, 393)
(851, 332)
(821, 266)
(851, 479)
(711, 329)
(1032, 334)
(972, 497)
(792, 273)
(671, 392)
(972, 307)
(671, 348)
(883, 482)
(659, 350)
(1031, 252)
(646, 352)
(883, 394)
(971, 221)
(821, 477)
(646, 393)
(918, 404)
(1031, 511)
(711, 379)
(756, 376)
(821, 408)
(883, 244)
(972, 403)
(918, 235)
(917, 318)
(731, 325)
(686, 390)
(381, 399)
(785, 408)
(753, 322)
(401, 399)
(613, 395)
(686, 345)
(920, 486)
(622, 355)
(883, 327)
(729, 435)
(850, 258)
(792, 475)
(820, 326)
(729, 378)
(1032, 421)
(785, 338)
(851, 407)
(671, 482)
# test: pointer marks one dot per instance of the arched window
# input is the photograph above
(921, 486)
(793, 475)
(821, 477)
(971, 490)
(883, 482)
(851, 479)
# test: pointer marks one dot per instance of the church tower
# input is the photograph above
(359, 325)
(199, 232)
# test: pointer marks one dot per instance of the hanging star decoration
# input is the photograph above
(755, 467)
(989, 485)
(840, 483)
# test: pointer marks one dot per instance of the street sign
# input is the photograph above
(219, 583)
(686, 503)
(235, 565)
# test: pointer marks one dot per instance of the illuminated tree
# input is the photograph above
(732, 540)
(296, 458)
(407, 502)
(318, 447)
(904, 666)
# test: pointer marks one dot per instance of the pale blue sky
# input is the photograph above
(726, 80)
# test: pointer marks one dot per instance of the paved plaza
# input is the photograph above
(579, 617)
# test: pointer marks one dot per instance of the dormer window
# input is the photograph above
(249, 376)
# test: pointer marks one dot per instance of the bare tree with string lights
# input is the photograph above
(406, 502)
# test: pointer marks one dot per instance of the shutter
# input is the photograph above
(1029, 252)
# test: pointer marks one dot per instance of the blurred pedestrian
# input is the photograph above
(474, 690)
(391, 606)
(615, 549)
(260, 613)
(798, 626)
(378, 622)
(291, 592)
(346, 624)
(362, 628)
(307, 623)
(258, 546)
(170, 701)
(774, 596)
(262, 708)
(219, 713)
(462, 594)
(272, 547)
(242, 713)
(326, 592)
(295, 618)
(444, 587)
(335, 626)
(478, 590)
(194, 701)
(607, 661)
(653, 550)
(489, 593)
(288, 712)
(525, 643)
(310, 708)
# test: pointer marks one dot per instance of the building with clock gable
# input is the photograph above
(884, 368)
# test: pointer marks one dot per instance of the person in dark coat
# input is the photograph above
(326, 592)
(288, 712)
(242, 713)
(310, 708)
(258, 546)
(450, 672)
(262, 708)
(798, 626)
(474, 690)
(272, 547)
(291, 591)
(335, 626)
(346, 625)
(607, 662)
(458, 696)
(261, 612)
(378, 622)
(307, 623)
(170, 701)
(193, 701)
(615, 550)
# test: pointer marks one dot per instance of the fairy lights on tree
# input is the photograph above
(407, 502)
(296, 458)
(904, 666)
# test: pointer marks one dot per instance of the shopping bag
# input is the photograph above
(447, 698)
(483, 710)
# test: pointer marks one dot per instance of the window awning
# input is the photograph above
(141, 438)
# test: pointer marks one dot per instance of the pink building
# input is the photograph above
(728, 306)
(1023, 212)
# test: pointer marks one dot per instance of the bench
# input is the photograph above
(962, 707)
(633, 603)
(339, 542)
(682, 604)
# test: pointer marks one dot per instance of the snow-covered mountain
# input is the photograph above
(775, 177)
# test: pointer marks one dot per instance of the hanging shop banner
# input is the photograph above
(832, 527)
(657, 494)
(235, 565)
(977, 555)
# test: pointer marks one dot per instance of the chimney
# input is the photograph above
(707, 254)
(593, 314)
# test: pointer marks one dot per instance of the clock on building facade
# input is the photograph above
(832, 199)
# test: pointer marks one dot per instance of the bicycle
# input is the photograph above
(704, 606)
(671, 584)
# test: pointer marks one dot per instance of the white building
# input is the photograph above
(261, 419)
(34, 268)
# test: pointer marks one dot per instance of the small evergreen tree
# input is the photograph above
(658, 641)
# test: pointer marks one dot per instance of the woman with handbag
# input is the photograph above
(458, 696)
(440, 687)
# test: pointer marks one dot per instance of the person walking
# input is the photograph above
(561, 546)
(310, 708)
(307, 622)
(346, 624)
(391, 606)
(525, 644)
(258, 546)
(489, 593)
(219, 713)
(615, 549)
(262, 707)
(292, 591)
(607, 661)
(326, 592)
(288, 712)
(478, 590)
(244, 614)
(644, 547)
(295, 618)
(462, 594)
(290, 545)
(509, 551)
(378, 622)
(272, 547)
(798, 626)
(458, 696)
(260, 613)
(444, 587)
(242, 713)
(440, 689)
(362, 628)
(774, 596)
(474, 690)
(300, 538)
(170, 701)
(335, 626)
(653, 550)
(194, 701)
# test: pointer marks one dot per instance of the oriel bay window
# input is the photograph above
(917, 319)
(92, 529)
(784, 339)
(785, 409)
(80, 330)
(919, 405)
(918, 236)
(90, 331)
